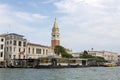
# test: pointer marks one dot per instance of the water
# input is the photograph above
(92, 73)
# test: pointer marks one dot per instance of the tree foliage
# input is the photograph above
(86, 55)
(61, 50)
(100, 58)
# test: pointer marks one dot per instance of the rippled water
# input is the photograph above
(92, 73)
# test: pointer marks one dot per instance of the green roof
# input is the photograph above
(55, 25)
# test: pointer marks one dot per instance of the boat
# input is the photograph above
(109, 64)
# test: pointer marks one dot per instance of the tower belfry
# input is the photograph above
(55, 35)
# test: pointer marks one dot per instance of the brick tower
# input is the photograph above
(55, 35)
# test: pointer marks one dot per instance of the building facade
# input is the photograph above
(14, 46)
(110, 56)
(2, 47)
(76, 54)
(36, 51)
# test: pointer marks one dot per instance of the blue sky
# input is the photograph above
(84, 24)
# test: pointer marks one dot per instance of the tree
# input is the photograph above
(85, 52)
(100, 58)
(61, 50)
(86, 55)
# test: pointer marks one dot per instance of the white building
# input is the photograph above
(2, 47)
(12, 46)
(36, 51)
(110, 56)
(76, 54)
(15, 46)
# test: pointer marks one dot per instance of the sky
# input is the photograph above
(83, 24)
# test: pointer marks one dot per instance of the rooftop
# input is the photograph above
(3, 35)
(15, 34)
(39, 45)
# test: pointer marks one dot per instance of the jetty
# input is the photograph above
(53, 63)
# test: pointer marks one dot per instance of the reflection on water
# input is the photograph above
(92, 73)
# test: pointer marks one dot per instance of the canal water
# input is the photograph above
(91, 73)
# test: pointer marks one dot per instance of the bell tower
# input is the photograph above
(55, 41)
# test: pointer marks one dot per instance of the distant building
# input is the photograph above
(110, 56)
(68, 51)
(118, 59)
(76, 54)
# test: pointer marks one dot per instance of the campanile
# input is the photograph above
(55, 41)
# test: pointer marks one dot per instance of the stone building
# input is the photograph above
(2, 47)
(13, 46)
(110, 56)
(36, 51)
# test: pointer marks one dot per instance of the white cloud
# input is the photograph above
(94, 23)
(29, 16)
(48, 1)
(23, 23)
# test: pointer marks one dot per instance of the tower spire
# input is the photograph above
(55, 35)
(55, 25)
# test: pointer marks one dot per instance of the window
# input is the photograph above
(14, 42)
(1, 46)
(46, 52)
(7, 37)
(10, 49)
(43, 51)
(33, 50)
(38, 51)
(7, 49)
(19, 49)
(9, 56)
(24, 44)
(14, 56)
(10, 42)
(24, 49)
(10, 37)
(53, 35)
(28, 50)
(1, 54)
(19, 43)
(2, 40)
(14, 49)
(7, 42)
(24, 57)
